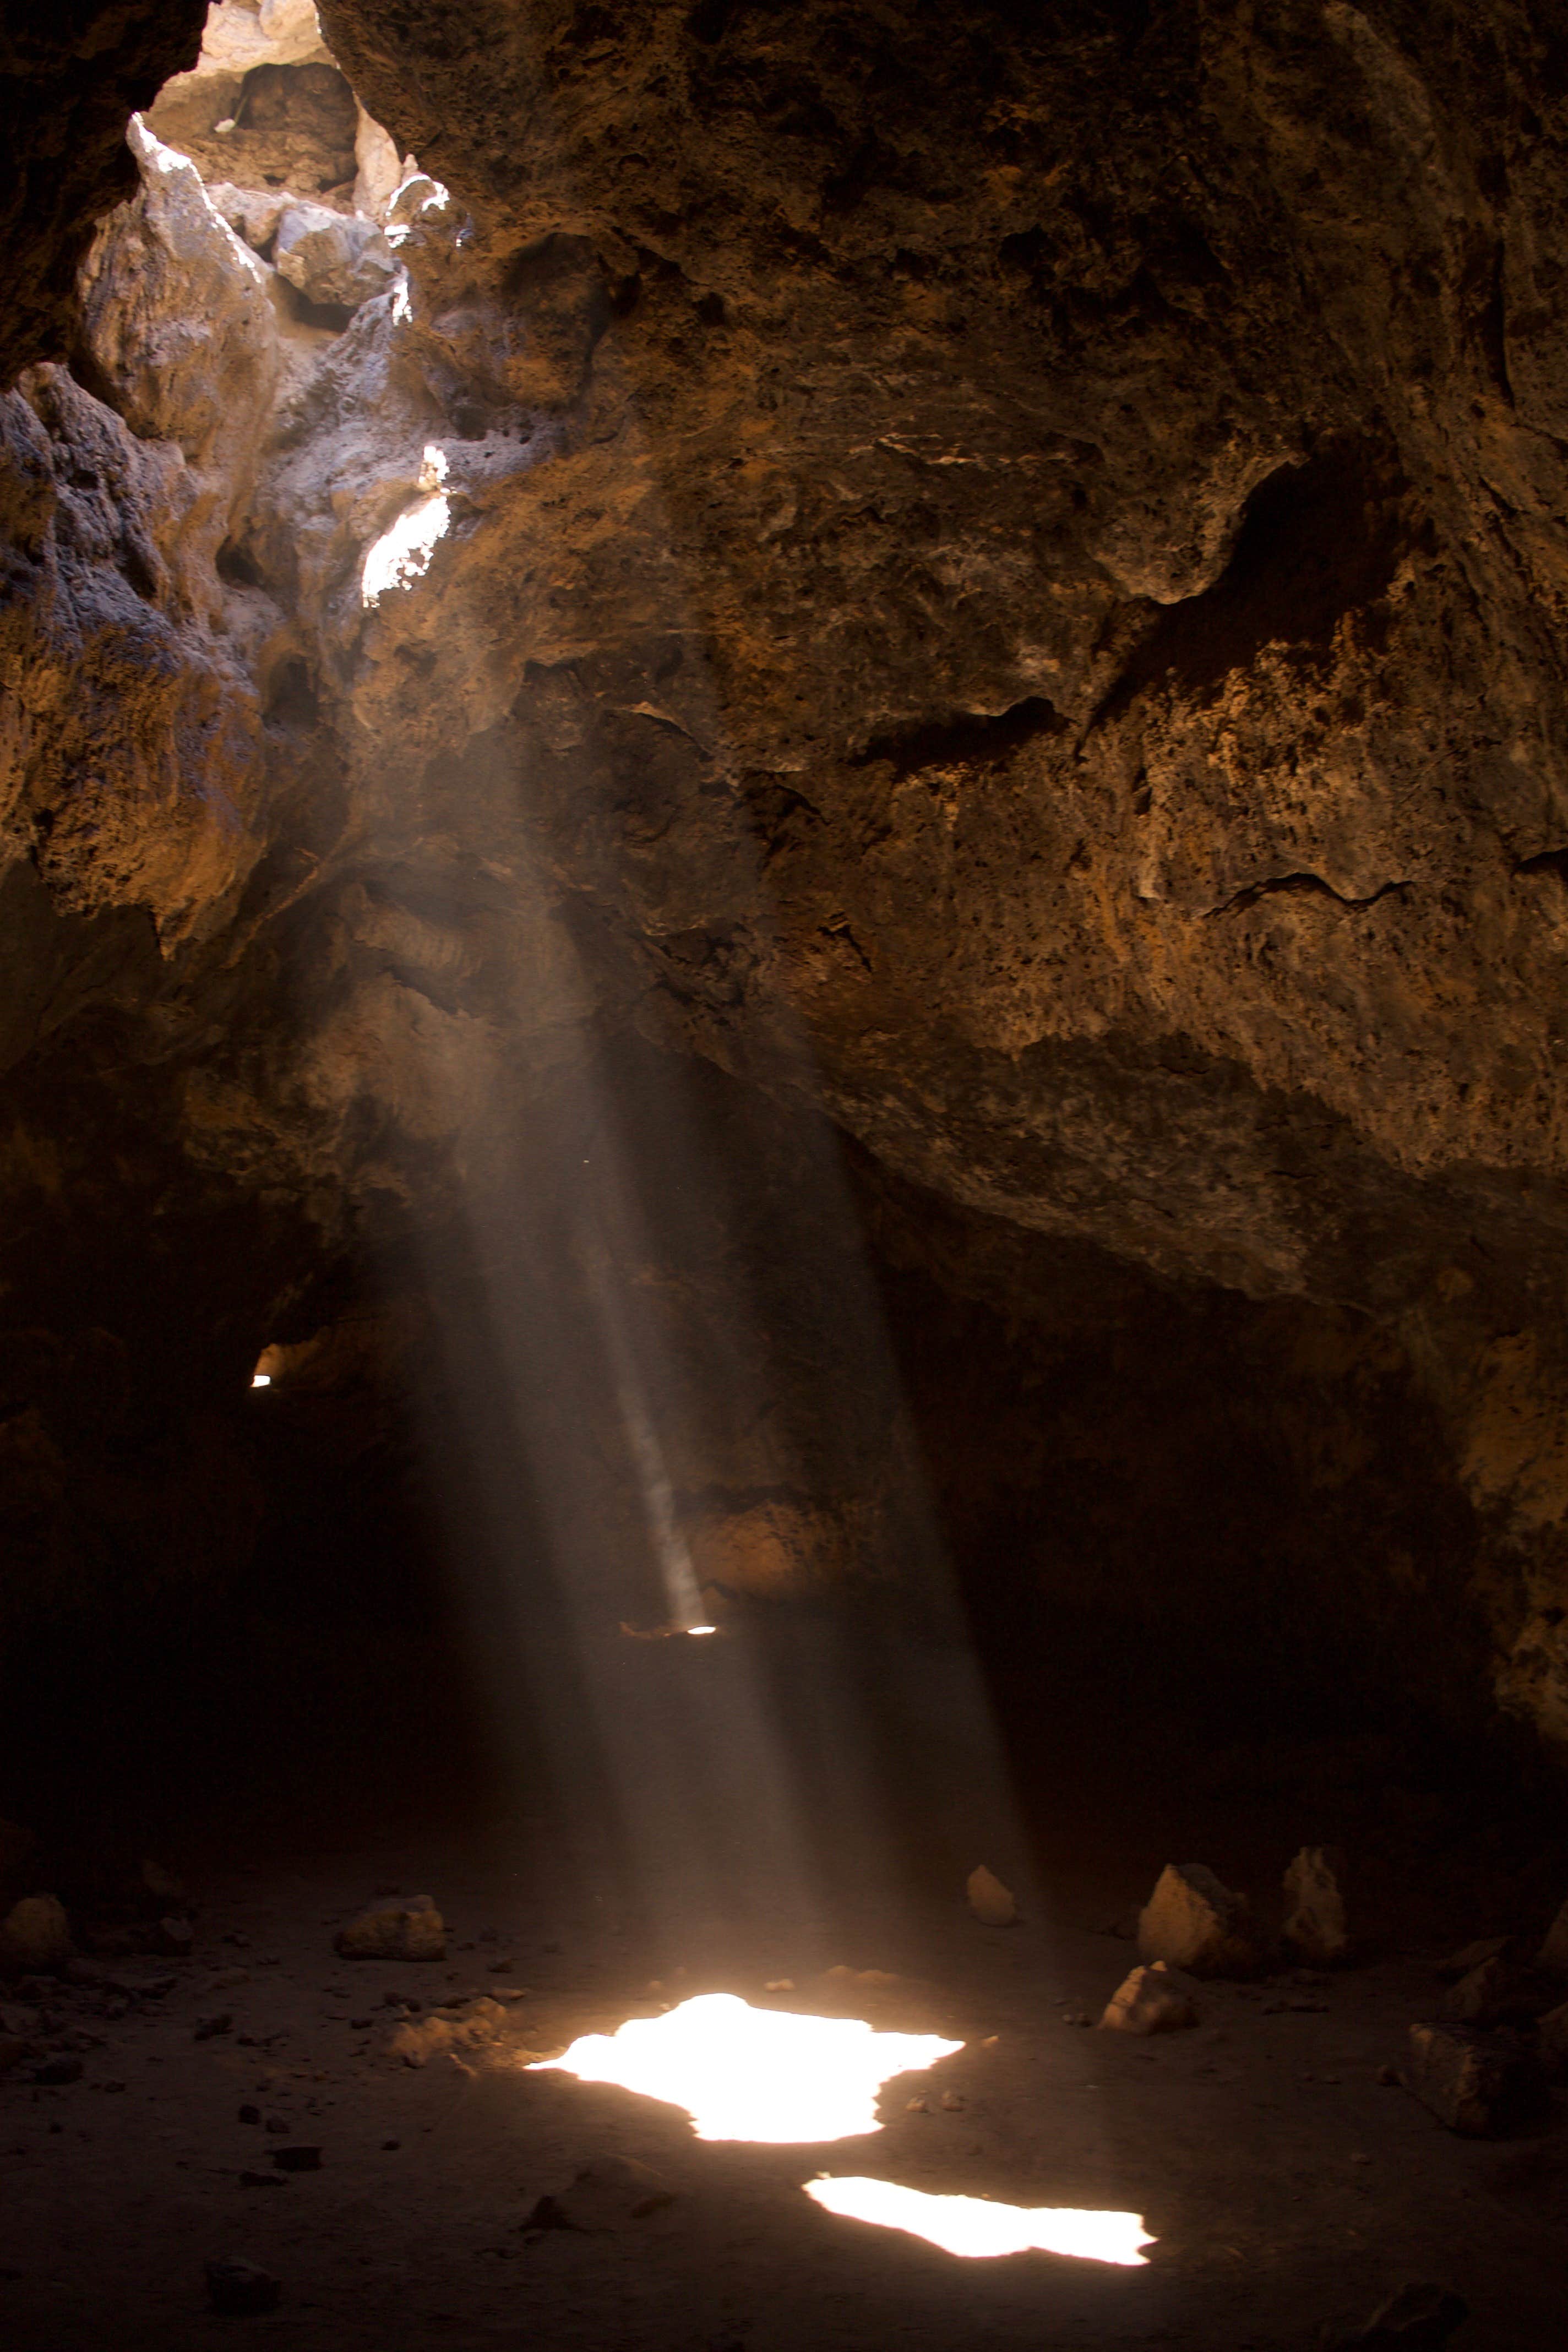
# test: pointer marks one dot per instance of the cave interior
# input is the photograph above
(783, 856)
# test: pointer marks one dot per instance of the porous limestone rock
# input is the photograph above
(402, 1927)
(1192, 1922)
(70, 82)
(331, 258)
(970, 582)
(1149, 2001)
(1315, 1917)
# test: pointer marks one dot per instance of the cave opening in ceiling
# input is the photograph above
(781, 917)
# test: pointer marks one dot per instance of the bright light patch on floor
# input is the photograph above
(702, 1629)
(261, 1379)
(973, 2226)
(754, 2074)
(402, 555)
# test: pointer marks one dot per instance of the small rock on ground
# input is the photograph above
(608, 2192)
(410, 1928)
(1149, 2002)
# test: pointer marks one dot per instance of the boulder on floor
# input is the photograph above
(1500, 1991)
(35, 1935)
(1471, 1956)
(1192, 1922)
(1150, 2000)
(991, 1903)
(1483, 2086)
(405, 1927)
(1315, 1917)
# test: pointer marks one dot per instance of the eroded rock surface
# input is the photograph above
(932, 562)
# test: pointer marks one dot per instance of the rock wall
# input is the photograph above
(69, 77)
(998, 572)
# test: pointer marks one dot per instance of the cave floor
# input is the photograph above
(1286, 2185)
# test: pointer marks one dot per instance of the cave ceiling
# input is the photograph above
(1004, 566)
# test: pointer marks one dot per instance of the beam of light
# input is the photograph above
(754, 2073)
(664, 1526)
(973, 2226)
(402, 555)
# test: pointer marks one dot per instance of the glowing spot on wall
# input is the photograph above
(754, 2074)
(973, 2226)
(402, 555)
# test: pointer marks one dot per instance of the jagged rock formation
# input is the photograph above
(1011, 558)
(69, 78)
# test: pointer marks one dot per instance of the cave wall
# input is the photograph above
(1005, 581)
(69, 78)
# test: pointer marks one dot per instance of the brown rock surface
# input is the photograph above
(399, 1928)
(1192, 1922)
(967, 572)
(1315, 1917)
(1482, 2085)
(69, 80)
(1149, 2001)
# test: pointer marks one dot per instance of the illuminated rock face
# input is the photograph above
(964, 551)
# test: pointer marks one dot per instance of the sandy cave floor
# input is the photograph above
(1286, 2185)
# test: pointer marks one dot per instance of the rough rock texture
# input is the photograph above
(1315, 1912)
(1114, 584)
(35, 1935)
(1149, 2001)
(404, 1928)
(69, 77)
(1000, 571)
(1191, 1922)
(1482, 2085)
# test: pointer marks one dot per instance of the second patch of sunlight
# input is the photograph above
(402, 555)
(973, 2226)
(754, 2074)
